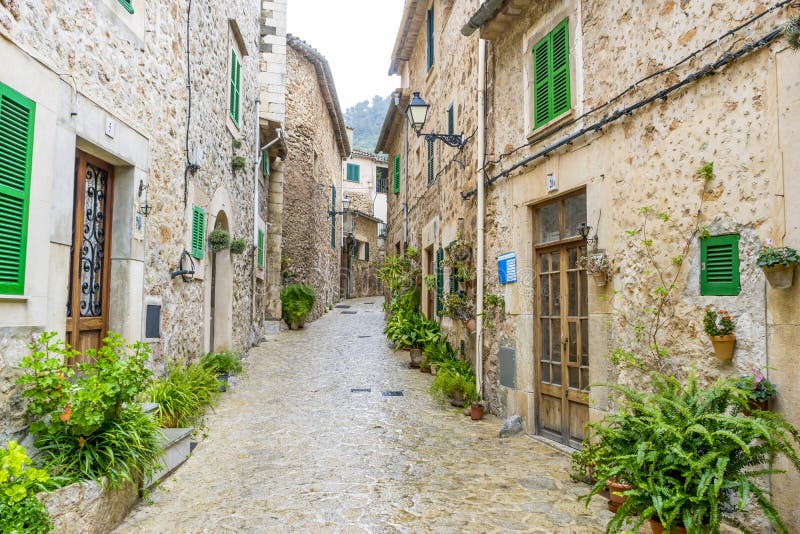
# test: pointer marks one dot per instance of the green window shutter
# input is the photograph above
(353, 172)
(551, 82)
(396, 174)
(453, 280)
(719, 265)
(431, 175)
(198, 232)
(439, 280)
(333, 217)
(127, 4)
(261, 249)
(430, 28)
(451, 120)
(17, 115)
(236, 87)
(264, 164)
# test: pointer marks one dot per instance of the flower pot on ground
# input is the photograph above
(658, 528)
(297, 301)
(476, 411)
(415, 356)
(719, 326)
(778, 264)
(616, 490)
(434, 368)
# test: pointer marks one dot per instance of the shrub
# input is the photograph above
(86, 424)
(297, 301)
(687, 454)
(718, 323)
(219, 240)
(183, 394)
(409, 329)
(20, 510)
(439, 352)
(449, 382)
(226, 362)
(238, 245)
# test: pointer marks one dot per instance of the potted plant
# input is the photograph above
(297, 301)
(689, 459)
(476, 409)
(219, 240)
(598, 266)
(778, 264)
(460, 251)
(719, 326)
(458, 306)
(791, 31)
(238, 245)
(760, 391)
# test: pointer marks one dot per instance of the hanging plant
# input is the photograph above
(459, 252)
(457, 306)
(598, 266)
(792, 32)
(238, 162)
(238, 245)
(492, 304)
(219, 240)
(778, 264)
(430, 282)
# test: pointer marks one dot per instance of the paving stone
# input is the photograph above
(290, 449)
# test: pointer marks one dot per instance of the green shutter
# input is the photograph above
(431, 175)
(261, 249)
(236, 87)
(127, 4)
(353, 172)
(439, 279)
(333, 216)
(264, 164)
(453, 280)
(430, 28)
(551, 82)
(396, 174)
(719, 265)
(198, 232)
(17, 115)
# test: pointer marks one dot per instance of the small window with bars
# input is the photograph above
(382, 180)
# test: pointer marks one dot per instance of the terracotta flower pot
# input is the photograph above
(472, 324)
(658, 528)
(615, 490)
(779, 276)
(476, 411)
(755, 405)
(415, 356)
(600, 279)
(723, 346)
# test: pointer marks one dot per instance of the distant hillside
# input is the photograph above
(366, 119)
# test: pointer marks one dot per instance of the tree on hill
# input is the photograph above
(366, 118)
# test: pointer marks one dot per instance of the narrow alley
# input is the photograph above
(294, 448)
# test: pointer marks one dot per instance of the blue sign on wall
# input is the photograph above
(507, 268)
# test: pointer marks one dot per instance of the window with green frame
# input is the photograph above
(551, 83)
(127, 4)
(429, 38)
(17, 114)
(353, 172)
(431, 174)
(235, 88)
(396, 174)
(198, 232)
(719, 265)
(260, 247)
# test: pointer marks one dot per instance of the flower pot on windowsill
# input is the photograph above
(658, 528)
(779, 276)
(723, 346)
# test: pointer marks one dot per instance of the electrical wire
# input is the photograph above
(636, 84)
(724, 60)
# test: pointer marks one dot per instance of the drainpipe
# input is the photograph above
(405, 188)
(481, 212)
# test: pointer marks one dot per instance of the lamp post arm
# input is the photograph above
(454, 140)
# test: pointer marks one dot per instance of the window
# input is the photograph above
(354, 250)
(333, 216)
(366, 251)
(431, 174)
(551, 85)
(353, 172)
(382, 230)
(127, 4)
(429, 27)
(382, 180)
(439, 280)
(236, 87)
(198, 232)
(396, 174)
(260, 248)
(451, 120)
(719, 265)
(16, 150)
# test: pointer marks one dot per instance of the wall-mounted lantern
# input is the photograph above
(145, 208)
(345, 208)
(417, 114)
(584, 230)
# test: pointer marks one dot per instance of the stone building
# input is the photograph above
(594, 111)
(312, 217)
(365, 185)
(126, 150)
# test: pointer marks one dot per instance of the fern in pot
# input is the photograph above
(297, 301)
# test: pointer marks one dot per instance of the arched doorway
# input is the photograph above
(221, 311)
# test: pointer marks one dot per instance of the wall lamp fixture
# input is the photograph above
(584, 230)
(417, 114)
(345, 208)
(145, 208)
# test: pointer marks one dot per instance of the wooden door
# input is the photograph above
(88, 299)
(562, 327)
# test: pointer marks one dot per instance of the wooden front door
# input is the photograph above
(562, 323)
(88, 299)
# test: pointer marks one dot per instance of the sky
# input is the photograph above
(356, 37)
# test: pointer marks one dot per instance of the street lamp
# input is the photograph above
(417, 114)
(345, 208)
(584, 230)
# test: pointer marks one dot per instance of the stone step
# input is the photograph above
(149, 407)
(176, 445)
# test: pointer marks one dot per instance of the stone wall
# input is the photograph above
(312, 167)
(87, 508)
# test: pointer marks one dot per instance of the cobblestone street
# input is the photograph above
(291, 448)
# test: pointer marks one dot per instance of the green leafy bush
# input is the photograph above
(20, 510)
(238, 245)
(449, 383)
(773, 256)
(688, 455)
(225, 362)
(297, 301)
(86, 425)
(219, 240)
(409, 329)
(183, 394)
